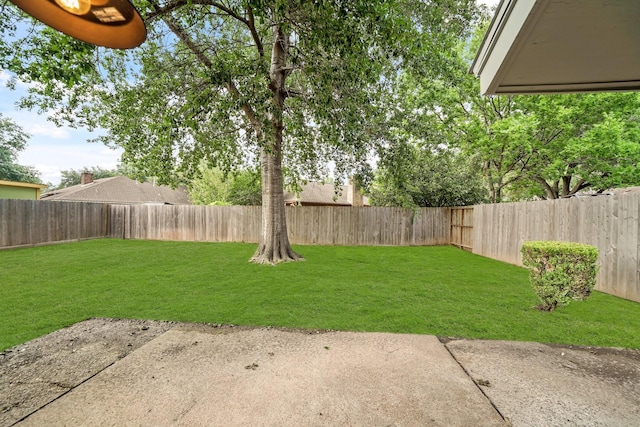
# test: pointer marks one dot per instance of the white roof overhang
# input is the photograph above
(560, 46)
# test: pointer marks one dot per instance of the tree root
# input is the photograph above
(266, 254)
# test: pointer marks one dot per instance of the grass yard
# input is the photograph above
(424, 290)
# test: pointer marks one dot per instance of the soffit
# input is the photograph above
(550, 46)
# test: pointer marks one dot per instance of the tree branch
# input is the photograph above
(246, 108)
(580, 185)
(177, 4)
(230, 86)
(496, 109)
(545, 185)
(251, 23)
(181, 34)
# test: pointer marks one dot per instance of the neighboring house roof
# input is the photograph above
(625, 190)
(318, 194)
(609, 192)
(553, 46)
(20, 190)
(21, 184)
(120, 190)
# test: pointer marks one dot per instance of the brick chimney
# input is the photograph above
(353, 195)
(86, 178)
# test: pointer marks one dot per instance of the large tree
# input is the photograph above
(546, 145)
(292, 83)
(13, 139)
(422, 163)
(584, 142)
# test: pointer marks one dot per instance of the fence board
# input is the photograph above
(627, 246)
(368, 226)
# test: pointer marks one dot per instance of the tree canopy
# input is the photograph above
(13, 139)
(427, 177)
(290, 83)
(214, 187)
(548, 146)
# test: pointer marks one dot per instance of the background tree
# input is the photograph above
(422, 163)
(428, 178)
(214, 187)
(556, 145)
(13, 140)
(246, 188)
(291, 83)
(545, 145)
(593, 143)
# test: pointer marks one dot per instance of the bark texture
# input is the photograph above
(274, 246)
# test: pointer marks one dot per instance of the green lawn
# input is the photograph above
(425, 290)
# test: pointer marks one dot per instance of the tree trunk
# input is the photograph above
(492, 195)
(498, 194)
(495, 193)
(274, 246)
(566, 186)
(552, 192)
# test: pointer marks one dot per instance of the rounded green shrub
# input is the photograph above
(560, 271)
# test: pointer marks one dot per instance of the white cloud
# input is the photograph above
(52, 149)
(4, 77)
(50, 158)
(47, 129)
(49, 173)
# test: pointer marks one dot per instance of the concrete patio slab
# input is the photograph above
(534, 384)
(274, 377)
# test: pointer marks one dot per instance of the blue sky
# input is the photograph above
(52, 149)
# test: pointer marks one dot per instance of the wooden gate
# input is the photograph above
(461, 234)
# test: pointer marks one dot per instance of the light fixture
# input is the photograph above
(110, 23)
(77, 7)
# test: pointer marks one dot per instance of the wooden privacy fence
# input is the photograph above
(324, 225)
(608, 222)
(32, 222)
(329, 225)
(185, 222)
(27, 222)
